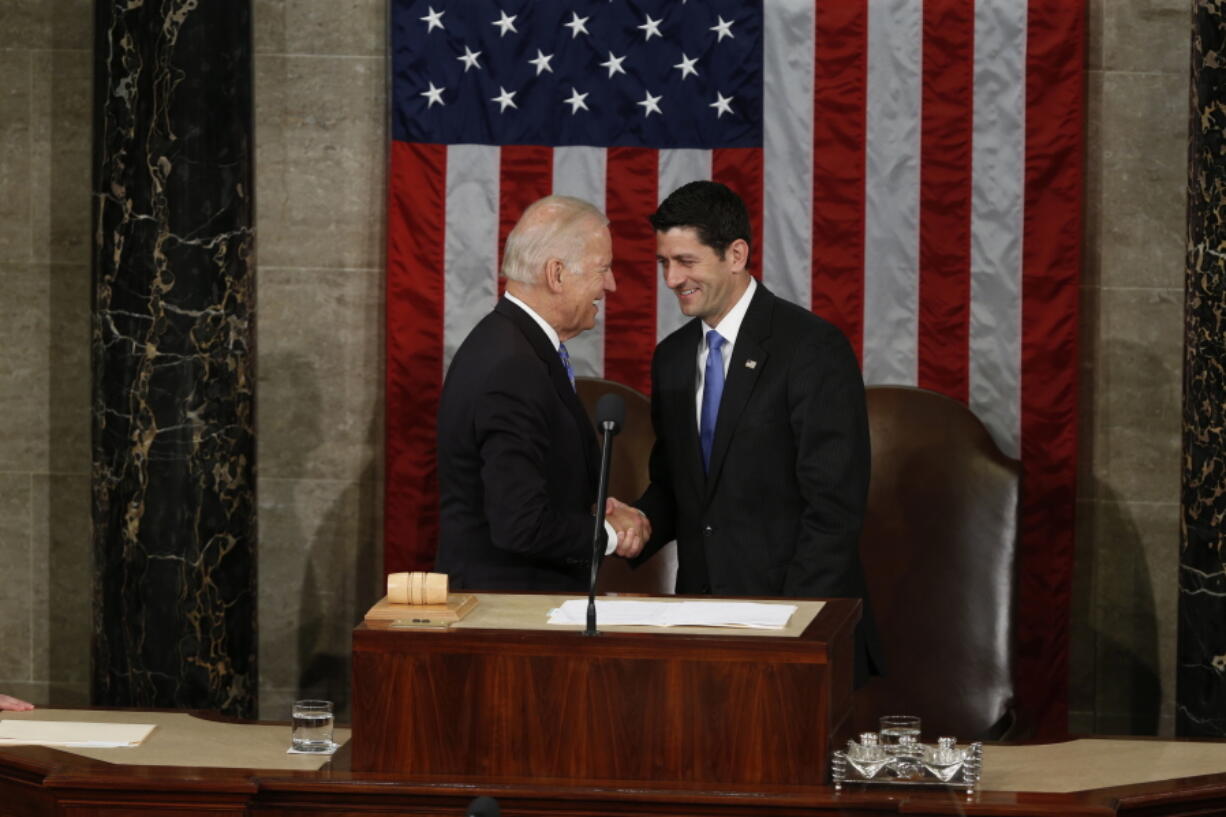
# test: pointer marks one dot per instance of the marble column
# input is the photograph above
(174, 511)
(1201, 681)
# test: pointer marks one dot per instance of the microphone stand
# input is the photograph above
(609, 427)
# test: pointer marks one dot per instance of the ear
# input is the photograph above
(738, 254)
(554, 268)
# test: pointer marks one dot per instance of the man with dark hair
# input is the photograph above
(761, 461)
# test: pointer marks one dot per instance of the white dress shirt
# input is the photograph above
(728, 329)
(549, 331)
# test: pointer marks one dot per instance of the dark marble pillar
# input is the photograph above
(1201, 681)
(173, 357)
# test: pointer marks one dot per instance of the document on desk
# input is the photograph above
(77, 734)
(742, 614)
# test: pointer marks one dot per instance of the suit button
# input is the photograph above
(707, 530)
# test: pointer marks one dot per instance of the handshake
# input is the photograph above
(632, 527)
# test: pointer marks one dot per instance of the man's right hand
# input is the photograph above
(632, 526)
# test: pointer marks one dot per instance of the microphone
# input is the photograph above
(610, 414)
(483, 806)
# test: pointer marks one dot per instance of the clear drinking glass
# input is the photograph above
(312, 726)
(894, 727)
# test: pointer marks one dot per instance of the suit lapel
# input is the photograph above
(685, 364)
(557, 375)
(748, 361)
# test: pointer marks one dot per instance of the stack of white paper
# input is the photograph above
(77, 734)
(677, 613)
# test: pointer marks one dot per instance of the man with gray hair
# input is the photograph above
(517, 457)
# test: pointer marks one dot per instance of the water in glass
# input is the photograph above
(312, 726)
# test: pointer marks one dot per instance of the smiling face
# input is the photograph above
(706, 285)
(583, 282)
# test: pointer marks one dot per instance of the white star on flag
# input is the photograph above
(505, 99)
(576, 25)
(687, 66)
(541, 62)
(433, 95)
(723, 28)
(433, 19)
(651, 27)
(650, 105)
(507, 23)
(722, 104)
(576, 101)
(469, 59)
(614, 64)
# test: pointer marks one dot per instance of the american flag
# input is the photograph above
(912, 169)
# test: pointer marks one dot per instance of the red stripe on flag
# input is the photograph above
(741, 169)
(525, 174)
(414, 321)
(1051, 250)
(630, 312)
(840, 87)
(945, 197)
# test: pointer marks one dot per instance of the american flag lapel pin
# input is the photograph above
(751, 364)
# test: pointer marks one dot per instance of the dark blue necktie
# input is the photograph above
(570, 373)
(712, 390)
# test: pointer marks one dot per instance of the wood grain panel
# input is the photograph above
(659, 710)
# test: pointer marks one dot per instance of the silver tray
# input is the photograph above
(897, 769)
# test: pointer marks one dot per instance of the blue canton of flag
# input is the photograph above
(604, 73)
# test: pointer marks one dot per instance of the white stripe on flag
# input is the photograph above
(891, 234)
(581, 172)
(470, 247)
(676, 167)
(998, 162)
(787, 143)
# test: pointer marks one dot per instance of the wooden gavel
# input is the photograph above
(417, 588)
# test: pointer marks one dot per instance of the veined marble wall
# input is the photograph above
(1201, 693)
(320, 152)
(173, 361)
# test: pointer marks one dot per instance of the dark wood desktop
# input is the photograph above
(35, 782)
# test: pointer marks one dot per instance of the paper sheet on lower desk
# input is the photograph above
(677, 614)
(78, 734)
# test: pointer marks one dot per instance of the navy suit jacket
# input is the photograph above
(779, 511)
(517, 463)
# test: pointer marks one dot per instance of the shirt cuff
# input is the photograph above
(612, 538)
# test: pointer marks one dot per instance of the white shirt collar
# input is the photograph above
(549, 331)
(730, 326)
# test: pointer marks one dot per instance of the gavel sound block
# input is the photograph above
(419, 599)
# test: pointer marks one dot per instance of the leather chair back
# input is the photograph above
(939, 548)
(627, 480)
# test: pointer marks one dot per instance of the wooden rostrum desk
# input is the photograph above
(471, 688)
(504, 696)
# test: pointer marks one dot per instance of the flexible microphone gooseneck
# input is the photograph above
(610, 414)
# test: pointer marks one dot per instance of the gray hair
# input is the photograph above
(547, 229)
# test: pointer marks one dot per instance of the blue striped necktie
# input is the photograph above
(712, 390)
(570, 373)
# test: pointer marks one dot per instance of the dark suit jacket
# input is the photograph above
(517, 463)
(780, 510)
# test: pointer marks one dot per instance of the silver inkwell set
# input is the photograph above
(895, 757)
